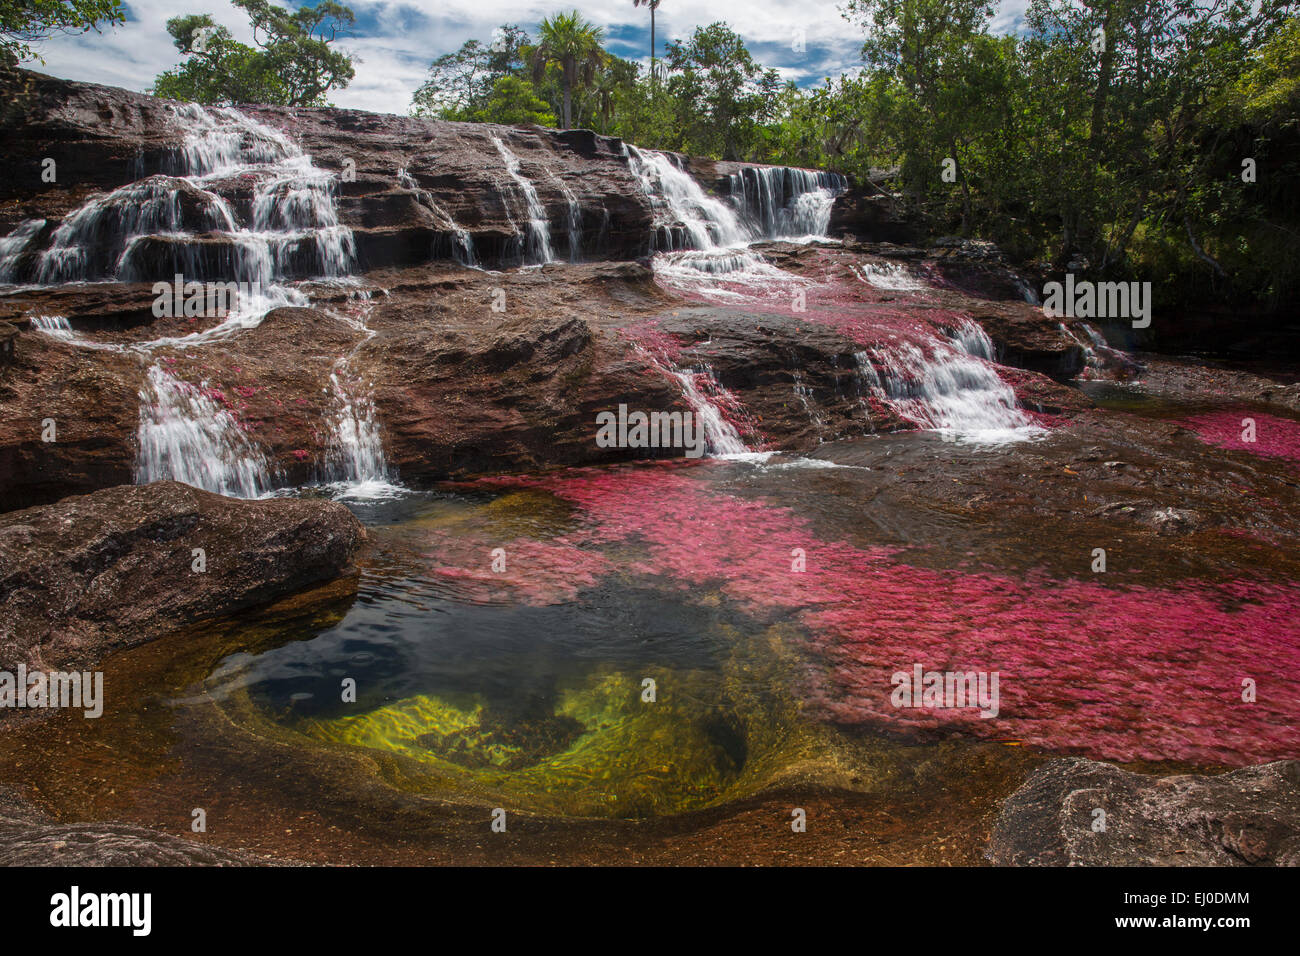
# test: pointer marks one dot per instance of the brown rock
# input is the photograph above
(114, 569)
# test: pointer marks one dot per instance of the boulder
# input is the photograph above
(1249, 817)
(117, 568)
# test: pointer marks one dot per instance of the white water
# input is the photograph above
(186, 436)
(55, 326)
(537, 243)
(950, 386)
(462, 242)
(355, 463)
(294, 227)
(698, 221)
(890, 276)
(14, 245)
(780, 202)
(719, 434)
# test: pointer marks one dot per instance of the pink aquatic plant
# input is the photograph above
(1273, 437)
(1118, 673)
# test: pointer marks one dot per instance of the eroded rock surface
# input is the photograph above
(29, 838)
(1249, 817)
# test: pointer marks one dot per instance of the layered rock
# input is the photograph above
(119, 567)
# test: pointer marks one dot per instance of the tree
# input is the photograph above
(572, 44)
(723, 95)
(460, 83)
(513, 101)
(23, 22)
(292, 63)
(653, 5)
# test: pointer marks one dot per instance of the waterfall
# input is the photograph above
(14, 245)
(779, 202)
(574, 221)
(696, 220)
(719, 433)
(947, 385)
(1028, 292)
(185, 435)
(355, 455)
(354, 459)
(538, 244)
(152, 229)
(55, 326)
(461, 241)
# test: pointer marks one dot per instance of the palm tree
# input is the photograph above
(653, 5)
(573, 44)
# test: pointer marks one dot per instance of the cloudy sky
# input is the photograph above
(394, 40)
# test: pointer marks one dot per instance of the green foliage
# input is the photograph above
(460, 82)
(292, 62)
(512, 101)
(570, 43)
(723, 97)
(24, 22)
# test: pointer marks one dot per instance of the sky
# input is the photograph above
(394, 41)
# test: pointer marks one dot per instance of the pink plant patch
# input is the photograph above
(1112, 673)
(535, 573)
(1273, 437)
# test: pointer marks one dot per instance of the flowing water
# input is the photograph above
(537, 241)
(684, 645)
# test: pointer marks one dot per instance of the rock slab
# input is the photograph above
(1249, 817)
(109, 570)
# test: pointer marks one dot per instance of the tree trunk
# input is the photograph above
(568, 94)
(652, 46)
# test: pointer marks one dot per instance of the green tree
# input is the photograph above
(23, 22)
(571, 43)
(459, 83)
(723, 96)
(292, 63)
(512, 101)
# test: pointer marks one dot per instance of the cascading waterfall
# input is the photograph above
(890, 277)
(354, 458)
(574, 221)
(462, 243)
(14, 245)
(55, 326)
(185, 435)
(537, 245)
(779, 202)
(947, 385)
(151, 229)
(179, 223)
(720, 434)
(699, 221)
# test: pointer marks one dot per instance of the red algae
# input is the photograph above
(1273, 437)
(1118, 673)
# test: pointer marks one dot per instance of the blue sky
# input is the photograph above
(395, 41)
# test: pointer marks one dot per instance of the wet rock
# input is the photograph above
(117, 568)
(101, 138)
(1249, 817)
(29, 838)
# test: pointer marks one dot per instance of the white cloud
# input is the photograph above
(395, 41)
